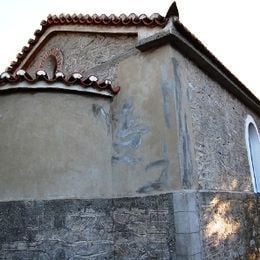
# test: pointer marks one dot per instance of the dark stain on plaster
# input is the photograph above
(184, 138)
(186, 155)
(161, 165)
(158, 163)
(126, 159)
(127, 136)
(100, 113)
(167, 94)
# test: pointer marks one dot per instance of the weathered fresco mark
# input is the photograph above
(161, 165)
(127, 136)
(126, 159)
(190, 89)
(183, 129)
(158, 163)
(99, 112)
(167, 94)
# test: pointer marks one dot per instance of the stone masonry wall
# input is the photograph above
(179, 225)
(127, 228)
(218, 129)
(230, 225)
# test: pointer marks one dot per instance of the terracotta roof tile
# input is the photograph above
(74, 79)
(129, 20)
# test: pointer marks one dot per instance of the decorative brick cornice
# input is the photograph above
(56, 54)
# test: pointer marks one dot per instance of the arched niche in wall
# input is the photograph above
(51, 62)
(253, 151)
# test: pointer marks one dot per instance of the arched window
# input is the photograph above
(253, 151)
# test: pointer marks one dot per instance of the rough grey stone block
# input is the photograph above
(186, 222)
(127, 228)
(188, 244)
(190, 257)
(184, 201)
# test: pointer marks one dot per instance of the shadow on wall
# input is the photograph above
(231, 227)
(222, 224)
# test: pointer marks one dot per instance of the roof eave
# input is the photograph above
(187, 44)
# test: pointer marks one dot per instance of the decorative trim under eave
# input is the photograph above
(89, 84)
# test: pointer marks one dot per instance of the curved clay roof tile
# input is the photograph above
(62, 18)
(19, 55)
(68, 18)
(114, 19)
(41, 75)
(105, 19)
(97, 19)
(88, 19)
(59, 75)
(89, 80)
(74, 18)
(23, 75)
(81, 19)
(25, 49)
(31, 41)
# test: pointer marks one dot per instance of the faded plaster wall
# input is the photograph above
(60, 145)
(54, 145)
(69, 145)
(172, 127)
(218, 129)
(88, 53)
(146, 154)
(163, 94)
